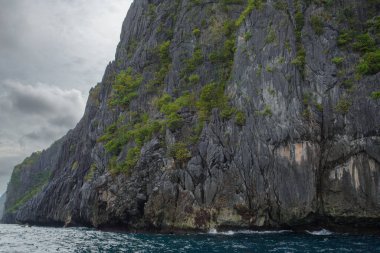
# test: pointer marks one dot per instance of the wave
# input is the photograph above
(265, 231)
(320, 232)
(213, 231)
(230, 232)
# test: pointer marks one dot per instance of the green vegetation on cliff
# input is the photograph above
(180, 107)
(15, 178)
(125, 88)
(25, 198)
(133, 131)
(363, 39)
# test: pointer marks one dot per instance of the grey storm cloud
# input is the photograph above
(36, 114)
(51, 53)
(43, 100)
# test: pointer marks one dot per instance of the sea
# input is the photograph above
(16, 238)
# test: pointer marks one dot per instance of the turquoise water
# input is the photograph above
(15, 238)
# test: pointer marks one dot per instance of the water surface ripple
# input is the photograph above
(14, 238)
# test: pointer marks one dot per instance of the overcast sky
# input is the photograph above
(51, 53)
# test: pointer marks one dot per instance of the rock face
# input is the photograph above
(224, 114)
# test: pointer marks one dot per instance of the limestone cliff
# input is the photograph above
(225, 113)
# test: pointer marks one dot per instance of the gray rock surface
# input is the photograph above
(296, 160)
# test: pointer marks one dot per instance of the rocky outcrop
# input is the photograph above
(226, 114)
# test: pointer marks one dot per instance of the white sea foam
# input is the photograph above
(213, 231)
(263, 231)
(320, 232)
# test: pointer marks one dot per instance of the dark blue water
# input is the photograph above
(15, 238)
